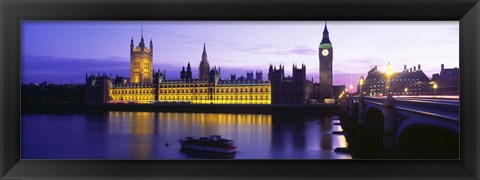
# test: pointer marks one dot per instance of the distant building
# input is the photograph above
(145, 88)
(289, 90)
(141, 63)
(97, 88)
(337, 90)
(204, 67)
(186, 75)
(249, 75)
(448, 81)
(258, 75)
(121, 80)
(325, 53)
(410, 81)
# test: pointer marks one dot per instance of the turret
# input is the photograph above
(151, 46)
(188, 74)
(131, 46)
(182, 73)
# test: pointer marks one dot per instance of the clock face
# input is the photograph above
(325, 52)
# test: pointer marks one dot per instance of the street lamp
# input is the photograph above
(406, 90)
(389, 74)
(435, 86)
(361, 85)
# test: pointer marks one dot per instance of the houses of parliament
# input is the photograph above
(145, 85)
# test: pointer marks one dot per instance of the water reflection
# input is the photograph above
(144, 135)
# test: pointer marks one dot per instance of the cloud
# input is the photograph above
(304, 51)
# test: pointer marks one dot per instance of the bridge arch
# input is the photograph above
(427, 140)
(374, 126)
(355, 109)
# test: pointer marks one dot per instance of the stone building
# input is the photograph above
(410, 81)
(448, 81)
(141, 63)
(289, 90)
(325, 53)
(204, 67)
(143, 88)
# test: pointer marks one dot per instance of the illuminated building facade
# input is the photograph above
(215, 91)
(145, 86)
(410, 81)
(141, 63)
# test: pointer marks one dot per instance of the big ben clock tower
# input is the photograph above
(325, 52)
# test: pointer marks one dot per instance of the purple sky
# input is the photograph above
(63, 51)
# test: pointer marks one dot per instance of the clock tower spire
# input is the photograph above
(325, 53)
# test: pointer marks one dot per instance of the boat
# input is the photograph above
(213, 143)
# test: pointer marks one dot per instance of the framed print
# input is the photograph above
(199, 89)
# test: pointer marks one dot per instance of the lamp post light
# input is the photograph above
(389, 73)
(435, 86)
(361, 85)
(360, 102)
(406, 90)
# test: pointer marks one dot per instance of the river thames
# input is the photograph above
(145, 135)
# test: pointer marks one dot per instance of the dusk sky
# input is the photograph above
(64, 51)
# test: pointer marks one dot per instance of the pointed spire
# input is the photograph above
(204, 54)
(131, 44)
(325, 30)
(325, 39)
(142, 42)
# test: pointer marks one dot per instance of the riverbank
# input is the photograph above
(192, 108)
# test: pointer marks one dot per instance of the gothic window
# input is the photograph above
(137, 65)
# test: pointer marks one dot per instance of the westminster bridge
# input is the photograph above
(408, 123)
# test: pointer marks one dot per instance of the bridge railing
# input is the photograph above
(374, 99)
(444, 108)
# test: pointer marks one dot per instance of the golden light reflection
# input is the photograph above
(252, 132)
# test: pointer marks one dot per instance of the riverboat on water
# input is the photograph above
(213, 143)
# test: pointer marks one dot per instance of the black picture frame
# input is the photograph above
(13, 12)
